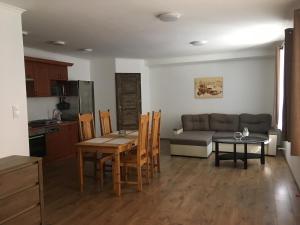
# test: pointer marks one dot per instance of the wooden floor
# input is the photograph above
(189, 191)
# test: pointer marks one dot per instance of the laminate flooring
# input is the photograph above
(188, 191)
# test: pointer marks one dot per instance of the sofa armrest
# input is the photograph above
(273, 141)
(273, 131)
(177, 131)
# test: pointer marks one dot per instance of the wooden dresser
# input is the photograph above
(21, 191)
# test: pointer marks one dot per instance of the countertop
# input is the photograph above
(43, 129)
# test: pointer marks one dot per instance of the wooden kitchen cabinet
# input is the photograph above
(61, 144)
(39, 74)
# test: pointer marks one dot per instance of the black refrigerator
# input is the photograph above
(76, 97)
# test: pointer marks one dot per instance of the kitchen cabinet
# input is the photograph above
(41, 72)
(61, 144)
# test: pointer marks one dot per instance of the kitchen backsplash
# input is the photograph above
(41, 108)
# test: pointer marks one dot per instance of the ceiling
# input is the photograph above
(129, 28)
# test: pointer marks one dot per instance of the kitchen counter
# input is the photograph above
(33, 131)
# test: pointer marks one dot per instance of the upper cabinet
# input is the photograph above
(41, 74)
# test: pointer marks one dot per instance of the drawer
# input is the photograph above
(17, 180)
(19, 202)
(32, 217)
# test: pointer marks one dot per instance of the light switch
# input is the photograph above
(16, 111)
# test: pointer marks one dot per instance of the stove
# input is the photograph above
(42, 123)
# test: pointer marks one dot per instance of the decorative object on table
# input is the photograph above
(238, 135)
(122, 132)
(245, 132)
(208, 87)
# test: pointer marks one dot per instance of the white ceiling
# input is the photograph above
(128, 28)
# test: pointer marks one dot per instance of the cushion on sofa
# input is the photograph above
(223, 134)
(224, 122)
(197, 138)
(259, 123)
(195, 122)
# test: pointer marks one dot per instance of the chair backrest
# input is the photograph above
(155, 131)
(105, 122)
(86, 126)
(142, 148)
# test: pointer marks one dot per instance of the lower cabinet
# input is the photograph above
(21, 191)
(61, 144)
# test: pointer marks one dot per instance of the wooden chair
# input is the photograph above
(105, 122)
(139, 159)
(87, 131)
(154, 145)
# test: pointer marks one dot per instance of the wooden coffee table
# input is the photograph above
(237, 155)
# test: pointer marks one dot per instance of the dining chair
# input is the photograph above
(154, 145)
(140, 158)
(87, 131)
(105, 122)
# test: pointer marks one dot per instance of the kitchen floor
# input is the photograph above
(189, 191)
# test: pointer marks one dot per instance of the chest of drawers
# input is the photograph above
(21, 191)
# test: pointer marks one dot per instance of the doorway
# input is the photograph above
(128, 98)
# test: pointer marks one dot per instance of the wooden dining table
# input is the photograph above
(114, 144)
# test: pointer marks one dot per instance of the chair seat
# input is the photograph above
(130, 159)
(89, 156)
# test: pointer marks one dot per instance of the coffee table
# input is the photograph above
(238, 155)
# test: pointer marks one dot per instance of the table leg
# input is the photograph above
(234, 154)
(217, 160)
(262, 159)
(245, 157)
(80, 169)
(117, 174)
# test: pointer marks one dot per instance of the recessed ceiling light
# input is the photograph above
(59, 42)
(25, 33)
(169, 16)
(86, 49)
(198, 43)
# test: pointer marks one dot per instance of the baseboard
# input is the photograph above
(297, 185)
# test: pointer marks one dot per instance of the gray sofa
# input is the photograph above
(196, 137)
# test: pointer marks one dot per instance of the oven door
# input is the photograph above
(37, 145)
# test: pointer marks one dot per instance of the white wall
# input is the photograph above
(137, 66)
(14, 132)
(248, 87)
(42, 107)
(293, 161)
(103, 75)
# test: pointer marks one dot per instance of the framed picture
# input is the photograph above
(208, 87)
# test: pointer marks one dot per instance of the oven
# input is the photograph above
(37, 145)
(37, 140)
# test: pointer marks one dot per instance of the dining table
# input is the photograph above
(114, 143)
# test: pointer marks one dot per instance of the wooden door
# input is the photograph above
(128, 94)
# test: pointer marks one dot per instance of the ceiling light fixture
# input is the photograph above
(198, 43)
(25, 33)
(169, 16)
(59, 43)
(86, 50)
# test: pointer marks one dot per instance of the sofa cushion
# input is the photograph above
(230, 135)
(223, 134)
(224, 122)
(197, 138)
(259, 123)
(195, 122)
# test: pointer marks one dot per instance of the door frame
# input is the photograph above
(117, 97)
